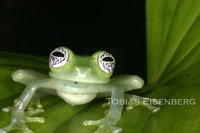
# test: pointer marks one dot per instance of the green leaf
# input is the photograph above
(172, 39)
(173, 56)
(182, 117)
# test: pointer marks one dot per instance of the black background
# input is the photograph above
(37, 27)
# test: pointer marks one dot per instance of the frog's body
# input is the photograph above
(77, 80)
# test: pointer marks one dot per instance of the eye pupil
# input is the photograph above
(58, 54)
(109, 59)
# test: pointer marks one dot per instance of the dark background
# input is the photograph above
(37, 27)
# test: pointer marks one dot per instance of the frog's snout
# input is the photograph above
(83, 70)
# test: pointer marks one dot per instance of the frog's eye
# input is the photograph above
(106, 62)
(59, 57)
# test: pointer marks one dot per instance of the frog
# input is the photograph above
(77, 79)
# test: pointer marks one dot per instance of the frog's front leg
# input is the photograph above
(25, 76)
(19, 117)
(107, 124)
(131, 82)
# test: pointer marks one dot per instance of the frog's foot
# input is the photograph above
(22, 126)
(104, 126)
(33, 112)
(32, 109)
(34, 106)
(35, 103)
(20, 118)
(106, 105)
(150, 103)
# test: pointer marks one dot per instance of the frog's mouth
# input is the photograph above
(82, 78)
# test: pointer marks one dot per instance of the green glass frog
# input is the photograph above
(77, 80)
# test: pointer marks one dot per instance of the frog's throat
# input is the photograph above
(76, 99)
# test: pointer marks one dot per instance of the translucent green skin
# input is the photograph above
(77, 82)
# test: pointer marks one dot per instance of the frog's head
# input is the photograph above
(64, 64)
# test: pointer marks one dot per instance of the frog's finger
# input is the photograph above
(35, 119)
(33, 112)
(93, 122)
